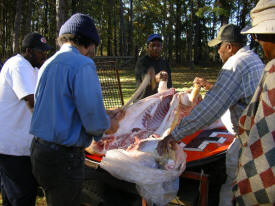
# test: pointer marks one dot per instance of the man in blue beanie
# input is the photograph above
(153, 60)
(68, 113)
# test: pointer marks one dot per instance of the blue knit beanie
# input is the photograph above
(80, 24)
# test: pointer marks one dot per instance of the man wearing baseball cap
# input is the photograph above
(17, 85)
(152, 60)
(255, 181)
(69, 112)
(233, 90)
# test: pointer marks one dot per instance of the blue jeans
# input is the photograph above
(18, 185)
(59, 170)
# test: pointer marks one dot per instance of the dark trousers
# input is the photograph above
(18, 186)
(5, 201)
(59, 170)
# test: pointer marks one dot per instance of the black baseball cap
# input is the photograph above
(36, 41)
(230, 33)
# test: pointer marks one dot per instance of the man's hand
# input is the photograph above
(162, 75)
(116, 113)
(164, 145)
(200, 81)
(115, 116)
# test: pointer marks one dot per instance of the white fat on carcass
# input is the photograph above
(158, 114)
(135, 113)
(185, 99)
(180, 106)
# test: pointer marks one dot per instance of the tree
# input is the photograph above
(189, 34)
(16, 27)
(110, 28)
(178, 31)
(122, 39)
(130, 28)
(27, 23)
(61, 11)
(124, 25)
(115, 27)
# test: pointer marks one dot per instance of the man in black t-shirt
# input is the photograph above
(152, 59)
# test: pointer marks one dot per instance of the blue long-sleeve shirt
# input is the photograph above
(69, 109)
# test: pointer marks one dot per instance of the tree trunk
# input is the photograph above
(110, 29)
(28, 14)
(16, 26)
(46, 17)
(170, 33)
(178, 31)
(101, 19)
(122, 49)
(244, 11)
(197, 39)
(130, 29)
(189, 56)
(225, 4)
(164, 31)
(213, 29)
(74, 6)
(115, 27)
(61, 12)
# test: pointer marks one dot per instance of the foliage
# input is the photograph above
(186, 26)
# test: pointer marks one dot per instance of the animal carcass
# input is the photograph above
(155, 115)
(130, 153)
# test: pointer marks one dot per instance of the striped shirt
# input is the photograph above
(234, 88)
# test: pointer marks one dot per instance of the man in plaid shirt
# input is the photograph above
(233, 90)
(255, 180)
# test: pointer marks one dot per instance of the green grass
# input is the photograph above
(182, 78)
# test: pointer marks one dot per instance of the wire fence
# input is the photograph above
(110, 84)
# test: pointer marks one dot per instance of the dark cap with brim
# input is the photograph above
(229, 33)
(151, 37)
(36, 41)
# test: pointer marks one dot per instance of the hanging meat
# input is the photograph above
(156, 115)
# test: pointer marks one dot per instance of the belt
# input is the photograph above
(57, 147)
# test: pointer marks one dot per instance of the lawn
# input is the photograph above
(182, 78)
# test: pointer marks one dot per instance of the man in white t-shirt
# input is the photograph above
(18, 79)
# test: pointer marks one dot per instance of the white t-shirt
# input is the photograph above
(17, 80)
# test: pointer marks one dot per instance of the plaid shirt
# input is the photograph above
(234, 89)
(255, 181)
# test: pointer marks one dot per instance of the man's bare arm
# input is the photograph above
(30, 101)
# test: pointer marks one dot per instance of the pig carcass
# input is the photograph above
(155, 115)
(130, 153)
